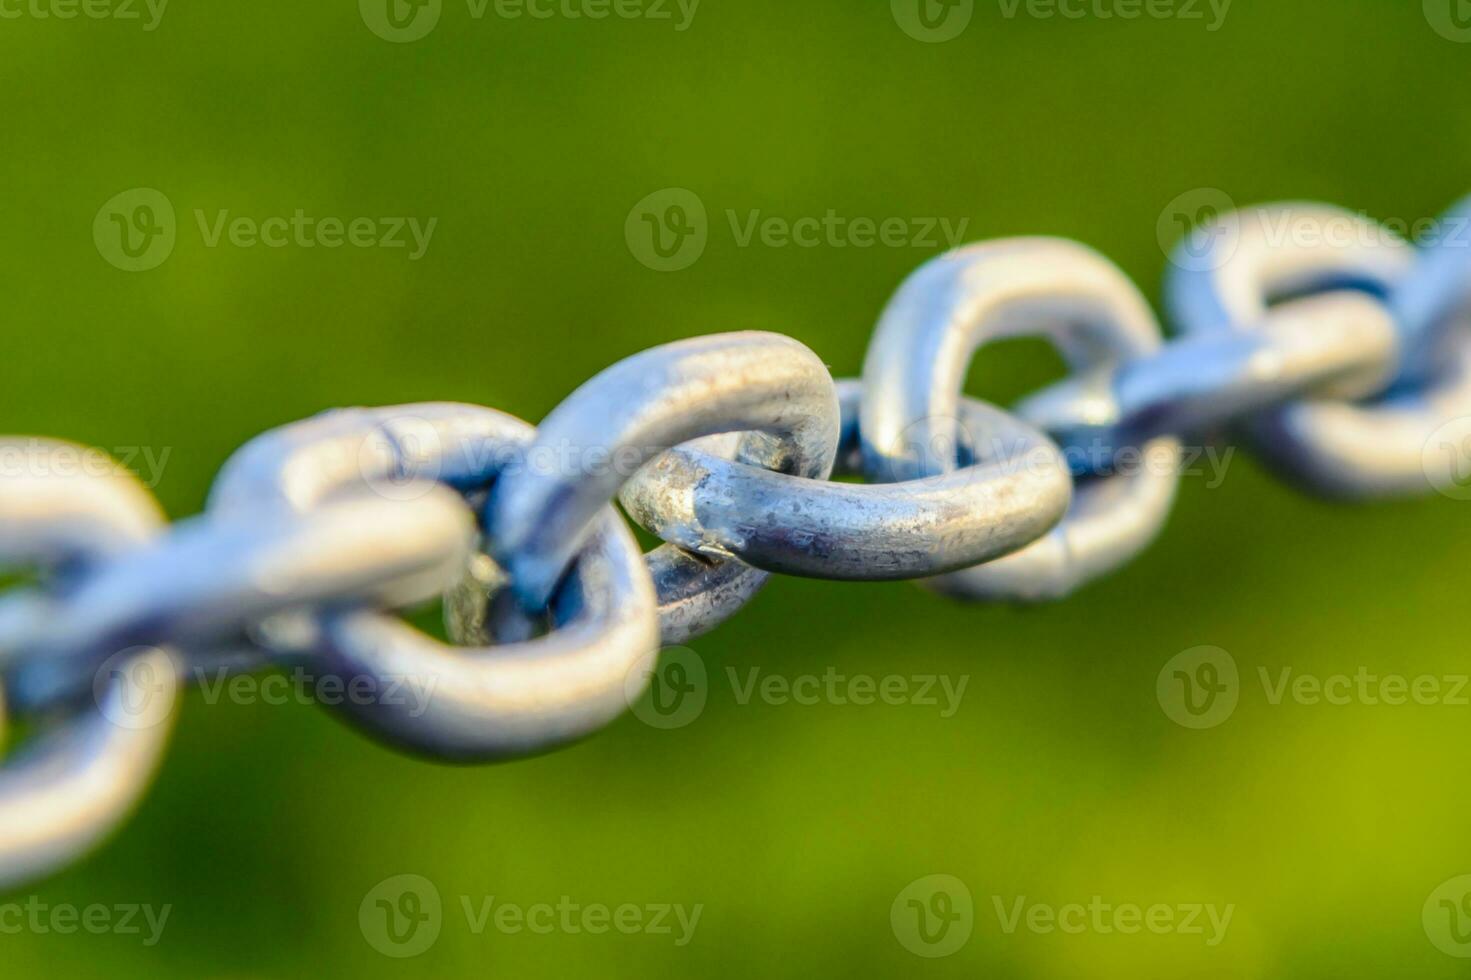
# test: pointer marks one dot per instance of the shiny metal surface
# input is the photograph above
(459, 703)
(208, 580)
(1196, 383)
(1370, 447)
(1017, 492)
(1344, 358)
(1431, 302)
(765, 385)
(72, 783)
(913, 375)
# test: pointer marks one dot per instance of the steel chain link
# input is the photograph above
(1337, 360)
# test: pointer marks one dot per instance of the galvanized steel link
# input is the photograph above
(915, 369)
(76, 780)
(1337, 358)
(208, 580)
(476, 704)
(770, 388)
(1332, 346)
(1014, 493)
(1348, 448)
(1431, 302)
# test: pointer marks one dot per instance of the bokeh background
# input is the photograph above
(1060, 778)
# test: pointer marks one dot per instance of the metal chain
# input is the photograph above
(1337, 357)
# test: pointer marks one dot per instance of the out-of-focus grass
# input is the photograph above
(794, 827)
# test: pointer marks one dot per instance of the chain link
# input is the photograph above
(1338, 360)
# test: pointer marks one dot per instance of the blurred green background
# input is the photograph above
(1060, 777)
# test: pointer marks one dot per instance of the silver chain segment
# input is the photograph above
(1338, 360)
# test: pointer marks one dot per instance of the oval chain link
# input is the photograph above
(1344, 447)
(915, 371)
(1339, 358)
(1015, 491)
(75, 780)
(461, 703)
(770, 388)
